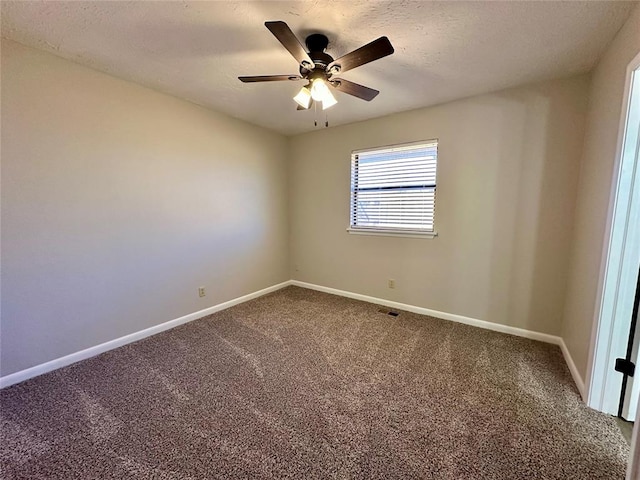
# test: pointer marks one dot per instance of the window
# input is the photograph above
(393, 189)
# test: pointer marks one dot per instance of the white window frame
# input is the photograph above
(391, 231)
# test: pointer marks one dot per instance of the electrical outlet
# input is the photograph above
(201, 292)
(392, 283)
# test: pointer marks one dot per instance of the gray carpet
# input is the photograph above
(300, 384)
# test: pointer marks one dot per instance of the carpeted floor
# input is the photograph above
(300, 384)
(626, 428)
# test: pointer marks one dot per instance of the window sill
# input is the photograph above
(391, 233)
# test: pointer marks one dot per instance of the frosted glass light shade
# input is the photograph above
(320, 93)
(319, 89)
(329, 100)
(303, 98)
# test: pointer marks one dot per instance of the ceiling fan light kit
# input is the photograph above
(321, 93)
(318, 67)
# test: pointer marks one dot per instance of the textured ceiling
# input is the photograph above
(443, 50)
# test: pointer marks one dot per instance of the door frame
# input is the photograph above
(610, 330)
(633, 467)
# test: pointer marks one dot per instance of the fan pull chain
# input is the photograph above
(315, 113)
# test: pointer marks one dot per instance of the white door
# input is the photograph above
(631, 250)
(620, 275)
(630, 394)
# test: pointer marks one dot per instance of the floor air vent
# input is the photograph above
(389, 312)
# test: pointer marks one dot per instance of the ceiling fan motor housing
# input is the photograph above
(317, 44)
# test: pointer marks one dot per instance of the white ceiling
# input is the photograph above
(443, 50)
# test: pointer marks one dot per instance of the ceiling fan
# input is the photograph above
(319, 68)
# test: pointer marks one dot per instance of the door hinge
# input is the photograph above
(624, 366)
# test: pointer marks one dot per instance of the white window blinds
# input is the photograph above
(394, 188)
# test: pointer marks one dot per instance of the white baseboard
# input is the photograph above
(496, 327)
(577, 378)
(520, 332)
(28, 373)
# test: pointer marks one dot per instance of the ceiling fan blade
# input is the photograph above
(269, 78)
(286, 37)
(371, 51)
(354, 89)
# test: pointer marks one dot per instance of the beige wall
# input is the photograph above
(118, 202)
(594, 190)
(507, 177)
